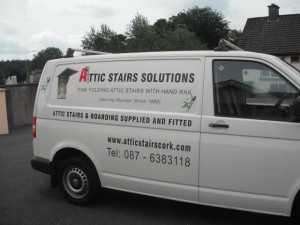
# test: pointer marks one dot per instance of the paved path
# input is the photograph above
(27, 199)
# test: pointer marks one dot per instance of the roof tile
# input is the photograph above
(279, 37)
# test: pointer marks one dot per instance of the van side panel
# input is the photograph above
(138, 121)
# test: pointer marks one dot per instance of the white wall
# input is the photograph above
(288, 59)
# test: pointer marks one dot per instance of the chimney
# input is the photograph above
(273, 12)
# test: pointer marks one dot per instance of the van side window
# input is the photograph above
(252, 90)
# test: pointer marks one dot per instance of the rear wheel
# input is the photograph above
(78, 180)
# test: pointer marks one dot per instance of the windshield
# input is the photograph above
(289, 66)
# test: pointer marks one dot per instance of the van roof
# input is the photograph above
(172, 54)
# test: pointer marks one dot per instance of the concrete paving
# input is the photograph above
(26, 198)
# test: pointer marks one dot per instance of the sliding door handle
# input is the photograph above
(222, 125)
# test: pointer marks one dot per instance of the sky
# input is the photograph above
(29, 26)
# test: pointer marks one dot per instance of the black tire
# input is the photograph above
(295, 217)
(78, 180)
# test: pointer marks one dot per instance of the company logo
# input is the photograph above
(87, 76)
(63, 79)
(84, 75)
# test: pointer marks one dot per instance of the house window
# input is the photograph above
(267, 74)
(295, 59)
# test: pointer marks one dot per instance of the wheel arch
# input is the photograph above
(63, 154)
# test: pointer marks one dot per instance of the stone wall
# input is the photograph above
(20, 102)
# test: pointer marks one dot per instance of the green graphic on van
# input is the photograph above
(188, 103)
(63, 79)
(44, 85)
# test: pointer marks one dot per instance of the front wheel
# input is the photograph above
(78, 180)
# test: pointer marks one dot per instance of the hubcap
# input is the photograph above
(75, 182)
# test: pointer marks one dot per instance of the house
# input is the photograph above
(275, 34)
(35, 76)
(12, 80)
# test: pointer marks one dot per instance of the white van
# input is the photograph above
(206, 127)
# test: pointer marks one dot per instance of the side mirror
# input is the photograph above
(296, 107)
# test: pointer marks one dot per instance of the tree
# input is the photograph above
(40, 59)
(207, 24)
(141, 35)
(162, 27)
(182, 39)
(195, 29)
(1, 79)
(163, 30)
(234, 36)
(13, 68)
(175, 37)
(105, 40)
